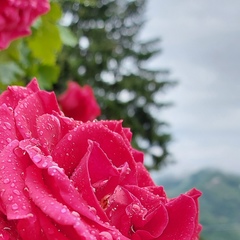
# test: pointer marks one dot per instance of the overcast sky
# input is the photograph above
(201, 47)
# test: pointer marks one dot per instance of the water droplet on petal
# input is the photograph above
(8, 125)
(6, 180)
(16, 192)
(63, 210)
(10, 198)
(14, 206)
(69, 137)
(37, 158)
(105, 236)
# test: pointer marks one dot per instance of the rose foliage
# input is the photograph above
(16, 17)
(79, 102)
(65, 179)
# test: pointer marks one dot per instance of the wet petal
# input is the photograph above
(35, 153)
(182, 212)
(13, 195)
(82, 181)
(7, 229)
(14, 94)
(113, 144)
(29, 227)
(143, 176)
(49, 131)
(146, 222)
(7, 126)
(42, 197)
(30, 108)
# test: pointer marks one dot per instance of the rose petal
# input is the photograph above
(29, 227)
(143, 176)
(147, 224)
(7, 229)
(82, 181)
(42, 197)
(79, 102)
(49, 131)
(30, 108)
(14, 94)
(69, 194)
(7, 126)
(116, 126)
(68, 151)
(36, 154)
(12, 185)
(182, 212)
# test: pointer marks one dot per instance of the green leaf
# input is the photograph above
(10, 72)
(67, 36)
(47, 76)
(45, 42)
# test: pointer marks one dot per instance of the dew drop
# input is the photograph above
(6, 180)
(63, 210)
(8, 125)
(10, 198)
(14, 206)
(69, 137)
(44, 164)
(76, 214)
(105, 236)
(16, 192)
(37, 158)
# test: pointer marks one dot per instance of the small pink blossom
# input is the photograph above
(79, 102)
(16, 17)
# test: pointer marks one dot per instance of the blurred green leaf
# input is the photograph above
(47, 75)
(9, 72)
(67, 36)
(45, 41)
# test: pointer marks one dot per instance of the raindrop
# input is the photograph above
(16, 192)
(8, 125)
(9, 140)
(14, 206)
(69, 137)
(76, 214)
(37, 158)
(44, 164)
(63, 210)
(10, 198)
(6, 180)
(105, 236)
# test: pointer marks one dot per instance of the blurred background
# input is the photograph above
(169, 69)
(200, 42)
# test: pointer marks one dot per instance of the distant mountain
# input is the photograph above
(220, 202)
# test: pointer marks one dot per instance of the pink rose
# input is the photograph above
(16, 17)
(79, 102)
(65, 179)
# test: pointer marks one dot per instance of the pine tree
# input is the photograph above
(112, 60)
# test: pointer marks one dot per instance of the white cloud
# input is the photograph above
(201, 47)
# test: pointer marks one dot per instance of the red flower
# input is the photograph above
(79, 102)
(16, 17)
(64, 179)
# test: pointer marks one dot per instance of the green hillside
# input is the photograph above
(220, 203)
